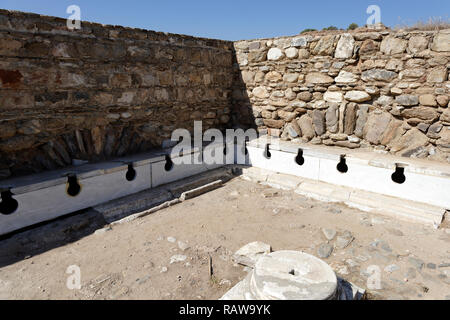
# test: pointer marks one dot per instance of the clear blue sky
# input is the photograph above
(235, 20)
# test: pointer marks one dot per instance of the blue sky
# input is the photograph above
(235, 20)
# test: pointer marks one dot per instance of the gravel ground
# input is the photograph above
(167, 255)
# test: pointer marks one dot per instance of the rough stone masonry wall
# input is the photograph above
(382, 90)
(102, 91)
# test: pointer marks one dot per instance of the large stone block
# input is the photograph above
(318, 78)
(376, 125)
(345, 45)
(392, 45)
(441, 41)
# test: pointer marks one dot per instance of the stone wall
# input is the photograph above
(102, 91)
(107, 91)
(377, 89)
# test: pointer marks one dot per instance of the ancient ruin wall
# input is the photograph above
(102, 91)
(382, 90)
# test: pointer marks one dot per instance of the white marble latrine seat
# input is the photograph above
(45, 196)
(425, 181)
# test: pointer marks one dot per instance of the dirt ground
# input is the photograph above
(133, 260)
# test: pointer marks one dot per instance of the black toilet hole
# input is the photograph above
(299, 158)
(399, 175)
(267, 153)
(131, 173)
(74, 187)
(169, 164)
(8, 205)
(342, 165)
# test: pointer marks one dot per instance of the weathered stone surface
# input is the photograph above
(434, 130)
(357, 96)
(417, 44)
(362, 116)
(442, 101)
(384, 100)
(248, 76)
(410, 142)
(325, 46)
(376, 125)
(306, 126)
(444, 141)
(378, 75)
(428, 100)
(441, 41)
(303, 54)
(331, 117)
(350, 118)
(318, 119)
(344, 241)
(299, 42)
(437, 75)
(17, 143)
(345, 45)
(305, 96)
(393, 131)
(412, 73)
(318, 78)
(249, 254)
(445, 117)
(291, 53)
(369, 46)
(257, 56)
(324, 250)
(329, 233)
(277, 124)
(346, 77)
(392, 45)
(260, 92)
(290, 77)
(275, 54)
(8, 130)
(407, 100)
(273, 76)
(333, 96)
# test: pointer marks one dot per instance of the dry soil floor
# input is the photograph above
(133, 260)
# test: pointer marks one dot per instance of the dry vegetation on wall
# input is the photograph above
(432, 24)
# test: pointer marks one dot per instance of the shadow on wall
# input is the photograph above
(242, 115)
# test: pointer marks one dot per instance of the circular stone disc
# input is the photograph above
(292, 275)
